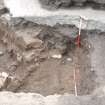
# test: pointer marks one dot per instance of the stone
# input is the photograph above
(92, 69)
(29, 56)
(55, 54)
(27, 42)
(1, 53)
(69, 59)
(3, 78)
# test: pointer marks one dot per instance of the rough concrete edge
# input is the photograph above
(66, 19)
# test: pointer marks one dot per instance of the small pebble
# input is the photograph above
(92, 69)
(89, 46)
(69, 59)
(1, 53)
(57, 56)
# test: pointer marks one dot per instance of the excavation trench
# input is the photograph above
(38, 68)
(39, 52)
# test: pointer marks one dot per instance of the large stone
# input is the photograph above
(27, 42)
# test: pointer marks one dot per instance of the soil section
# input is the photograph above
(30, 59)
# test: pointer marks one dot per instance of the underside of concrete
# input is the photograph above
(96, 4)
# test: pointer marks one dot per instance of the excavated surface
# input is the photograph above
(33, 66)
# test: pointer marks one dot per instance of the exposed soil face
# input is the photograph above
(45, 61)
